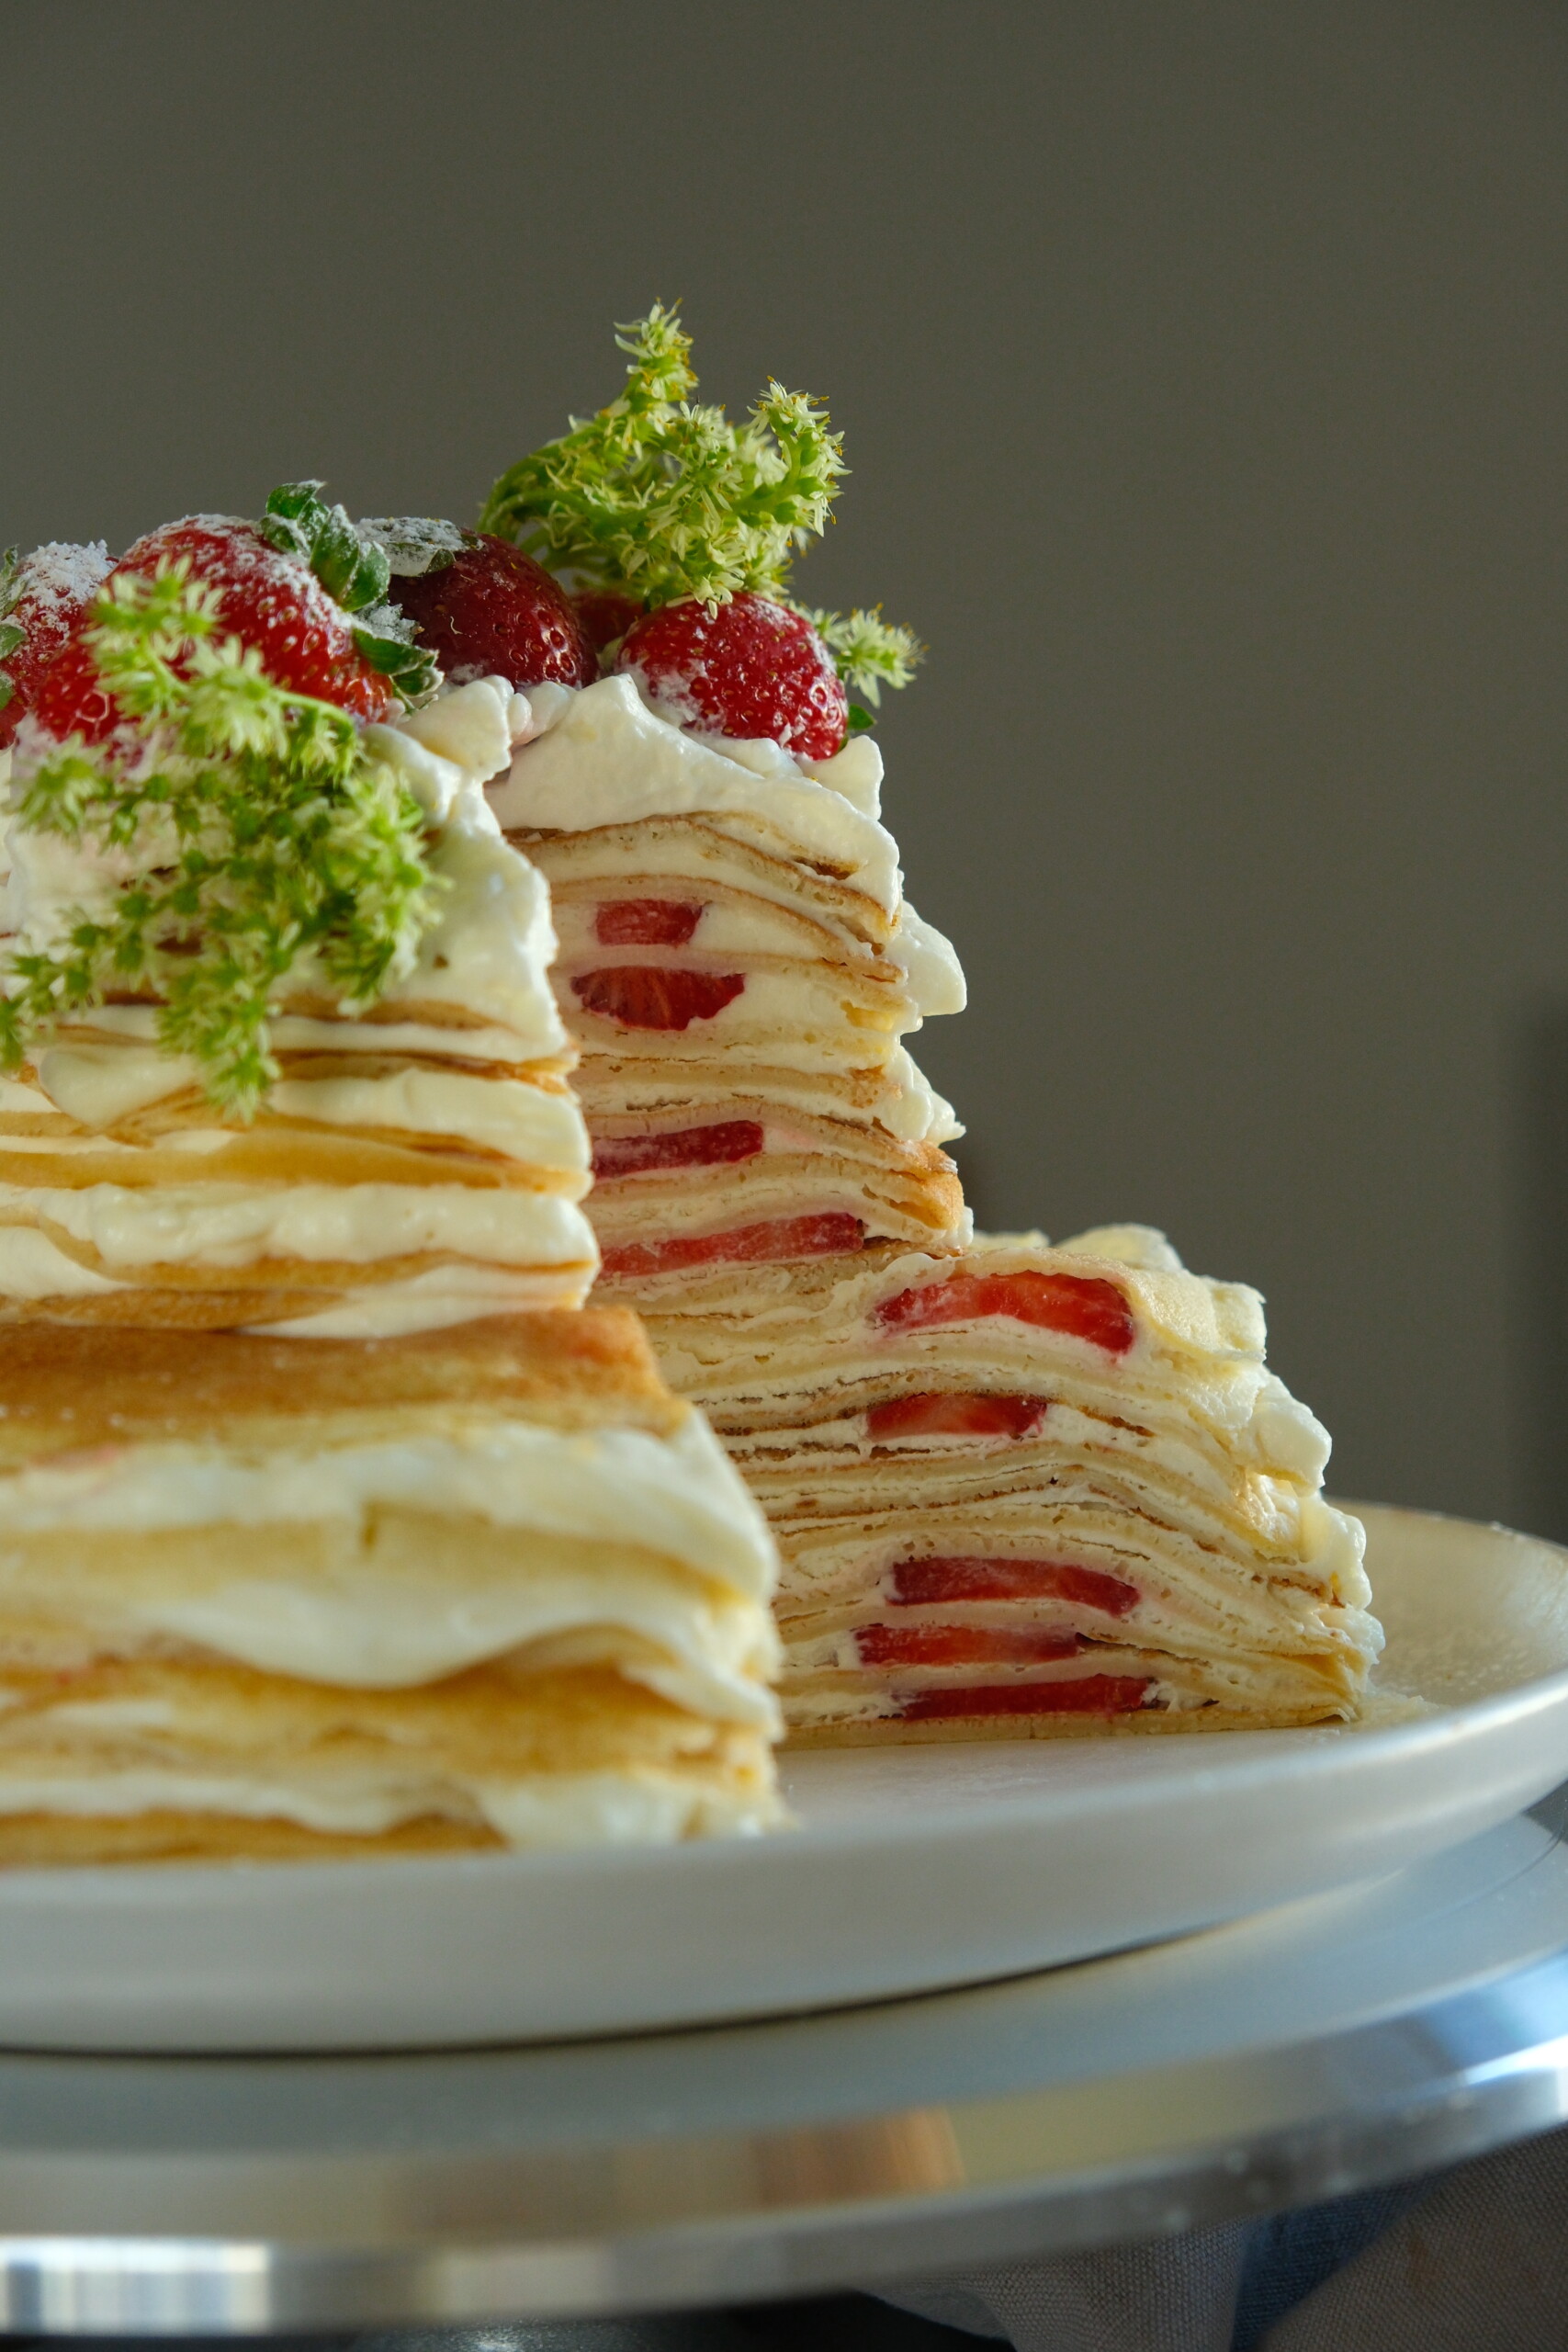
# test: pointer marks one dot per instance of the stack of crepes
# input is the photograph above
(420, 1159)
(1018, 1490)
(739, 969)
(485, 1586)
(330, 1523)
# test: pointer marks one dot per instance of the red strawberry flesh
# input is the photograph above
(607, 614)
(781, 1238)
(269, 601)
(646, 923)
(963, 1414)
(750, 669)
(1087, 1694)
(55, 586)
(963, 1644)
(492, 612)
(69, 699)
(1079, 1306)
(921, 1583)
(650, 996)
(731, 1140)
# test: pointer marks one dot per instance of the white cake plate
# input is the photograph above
(914, 1869)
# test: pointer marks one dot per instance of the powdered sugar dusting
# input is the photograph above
(62, 576)
(411, 543)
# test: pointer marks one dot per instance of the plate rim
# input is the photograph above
(1339, 1746)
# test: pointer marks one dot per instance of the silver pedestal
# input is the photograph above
(1320, 2048)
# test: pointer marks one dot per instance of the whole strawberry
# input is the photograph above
(489, 611)
(751, 668)
(43, 600)
(268, 598)
(678, 531)
(606, 614)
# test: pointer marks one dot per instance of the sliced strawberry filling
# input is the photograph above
(918, 1582)
(686, 1148)
(1088, 1694)
(781, 1237)
(646, 923)
(963, 1644)
(1081, 1307)
(646, 996)
(963, 1414)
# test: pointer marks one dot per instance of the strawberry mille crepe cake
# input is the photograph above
(330, 1523)
(1019, 1491)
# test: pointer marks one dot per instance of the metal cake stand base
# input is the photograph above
(1320, 2048)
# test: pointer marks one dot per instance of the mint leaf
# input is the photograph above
(295, 500)
(387, 644)
(352, 569)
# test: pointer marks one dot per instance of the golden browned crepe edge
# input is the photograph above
(67, 1386)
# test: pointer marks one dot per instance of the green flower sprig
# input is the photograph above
(244, 829)
(665, 498)
(868, 652)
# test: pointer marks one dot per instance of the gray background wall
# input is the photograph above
(1203, 374)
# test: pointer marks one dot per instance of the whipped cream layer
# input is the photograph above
(622, 1547)
(99, 1086)
(603, 756)
(895, 1096)
(223, 1227)
(486, 956)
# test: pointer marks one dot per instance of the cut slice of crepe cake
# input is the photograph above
(483, 1586)
(415, 1159)
(1031, 1491)
(315, 1540)
(959, 1443)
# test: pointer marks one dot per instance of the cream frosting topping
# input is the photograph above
(489, 949)
(602, 756)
